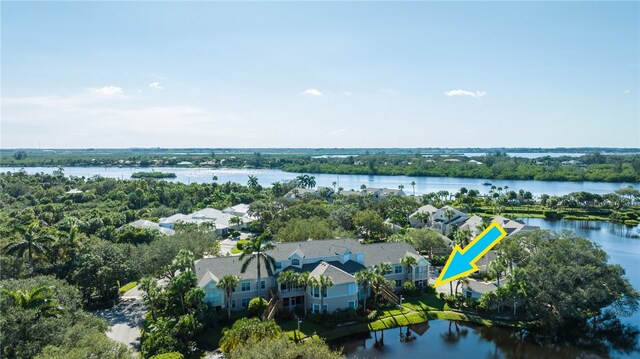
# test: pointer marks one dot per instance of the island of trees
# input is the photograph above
(64, 255)
(153, 175)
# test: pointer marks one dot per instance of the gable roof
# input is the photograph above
(373, 254)
(336, 274)
(229, 265)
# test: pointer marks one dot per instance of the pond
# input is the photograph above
(447, 339)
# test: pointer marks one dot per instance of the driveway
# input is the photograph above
(125, 319)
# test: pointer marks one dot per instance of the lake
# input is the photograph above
(267, 176)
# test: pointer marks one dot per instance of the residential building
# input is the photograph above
(222, 221)
(143, 223)
(340, 259)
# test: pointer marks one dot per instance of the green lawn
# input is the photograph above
(125, 288)
(426, 302)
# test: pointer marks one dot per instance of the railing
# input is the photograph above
(273, 307)
(387, 294)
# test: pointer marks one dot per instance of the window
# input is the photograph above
(245, 302)
(352, 304)
(316, 308)
(469, 294)
(410, 270)
(233, 304)
(295, 262)
(398, 282)
(324, 292)
(263, 284)
(325, 308)
(398, 269)
(246, 286)
(316, 292)
(278, 265)
(283, 286)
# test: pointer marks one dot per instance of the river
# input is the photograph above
(267, 176)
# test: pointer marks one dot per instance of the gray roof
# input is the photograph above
(350, 266)
(480, 287)
(373, 254)
(219, 266)
(336, 274)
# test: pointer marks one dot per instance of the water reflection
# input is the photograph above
(448, 339)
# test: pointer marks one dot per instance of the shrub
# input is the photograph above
(409, 289)
(551, 214)
(172, 355)
(256, 307)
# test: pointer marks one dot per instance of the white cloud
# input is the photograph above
(108, 90)
(627, 91)
(347, 93)
(156, 85)
(477, 94)
(312, 92)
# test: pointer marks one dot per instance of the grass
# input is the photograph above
(125, 288)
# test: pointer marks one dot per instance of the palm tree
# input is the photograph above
(323, 283)
(311, 182)
(413, 184)
(34, 241)
(228, 283)
(449, 214)
(235, 220)
(150, 286)
(255, 248)
(39, 298)
(288, 278)
(72, 242)
(304, 281)
(334, 183)
(461, 237)
(497, 268)
(401, 187)
(422, 217)
(408, 262)
(253, 182)
(363, 278)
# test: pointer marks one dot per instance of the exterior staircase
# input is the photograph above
(387, 294)
(273, 307)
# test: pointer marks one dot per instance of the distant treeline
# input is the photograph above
(589, 167)
(153, 175)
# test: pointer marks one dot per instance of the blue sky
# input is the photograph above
(538, 74)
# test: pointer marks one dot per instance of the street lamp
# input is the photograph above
(299, 321)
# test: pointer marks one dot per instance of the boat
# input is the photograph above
(486, 183)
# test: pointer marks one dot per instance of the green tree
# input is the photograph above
(323, 283)
(408, 262)
(255, 249)
(289, 278)
(34, 241)
(370, 225)
(304, 281)
(363, 279)
(228, 283)
(282, 348)
(247, 329)
(40, 299)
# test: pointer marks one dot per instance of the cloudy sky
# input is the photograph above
(142, 74)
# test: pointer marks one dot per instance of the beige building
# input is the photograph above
(339, 259)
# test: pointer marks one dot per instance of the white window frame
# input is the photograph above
(247, 288)
(397, 269)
